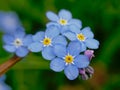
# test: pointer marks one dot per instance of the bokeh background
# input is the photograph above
(33, 72)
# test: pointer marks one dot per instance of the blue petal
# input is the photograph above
(81, 61)
(64, 29)
(52, 24)
(92, 43)
(60, 40)
(76, 22)
(27, 40)
(8, 39)
(48, 53)
(70, 35)
(52, 32)
(9, 48)
(87, 32)
(71, 72)
(57, 65)
(35, 47)
(65, 14)
(60, 50)
(74, 29)
(39, 36)
(22, 51)
(19, 33)
(4, 86)
(2, 78)
(52, 16)
(74, 48)
(83, 46)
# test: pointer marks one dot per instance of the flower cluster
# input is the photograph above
(63, 42)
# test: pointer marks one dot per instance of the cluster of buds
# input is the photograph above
(87, 72)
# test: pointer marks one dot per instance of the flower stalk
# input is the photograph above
(8, 64)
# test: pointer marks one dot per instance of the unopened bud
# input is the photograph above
(89, 69)
(89, 53)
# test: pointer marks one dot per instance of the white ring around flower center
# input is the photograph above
(17, 42)
(69, 59)
(47, 41)
(63, 22)
(81, 37)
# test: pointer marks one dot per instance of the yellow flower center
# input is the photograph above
(17, 42)
(47, 41)
(80, 37)
(63, 21)
(69, 59)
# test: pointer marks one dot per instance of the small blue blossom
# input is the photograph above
(3, 85)
(9, 22)
(45, 41)
(69, 59)
(63, 20)
(17, 42)
(85, 37)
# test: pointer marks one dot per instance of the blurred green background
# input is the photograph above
(33, 72)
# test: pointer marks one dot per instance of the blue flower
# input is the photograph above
(85, 37)
(9, 22)
(63, 20)
(17, 42)
(45, 41)
(3, 85)
(69, 59)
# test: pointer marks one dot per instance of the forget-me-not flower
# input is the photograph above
(9, 22)
(63, 20)
(44, 41)
(84, 36)
(17, 42)
(69, 59)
